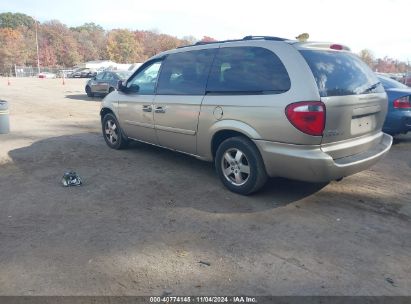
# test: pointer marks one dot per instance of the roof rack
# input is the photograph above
(236, 40)
(264, 38)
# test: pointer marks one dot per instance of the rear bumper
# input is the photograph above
(312, 164)
(398, 122)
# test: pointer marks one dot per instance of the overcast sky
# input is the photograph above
(379, 25)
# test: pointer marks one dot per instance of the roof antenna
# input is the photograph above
(303, 37)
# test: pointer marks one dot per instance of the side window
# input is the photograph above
(185, 73)
(145, 81)
(248, 70)
(100, 76)
(107, 76)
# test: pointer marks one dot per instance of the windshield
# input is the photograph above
(389, 83)
(341, 73)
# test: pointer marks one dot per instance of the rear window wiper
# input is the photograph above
(371, 87)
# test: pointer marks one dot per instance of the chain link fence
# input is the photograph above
(30, 71)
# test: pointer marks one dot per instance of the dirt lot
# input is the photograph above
(149, 221)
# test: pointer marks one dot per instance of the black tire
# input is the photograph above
(88, 92)
(113, 136)
(250, 160)
(111, 89)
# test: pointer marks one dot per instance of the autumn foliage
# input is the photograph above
(61, 46)
(383, 65)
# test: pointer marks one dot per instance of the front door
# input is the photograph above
(136, 103)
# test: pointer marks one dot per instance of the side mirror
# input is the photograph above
(134, 88)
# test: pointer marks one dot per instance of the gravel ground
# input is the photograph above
(149, 221)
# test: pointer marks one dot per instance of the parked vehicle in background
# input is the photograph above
(83, 73)
(64, 73)
(105, 82)
(407, 79)
(256, 107)
(46, 75)
(398, 120)
(75, 74)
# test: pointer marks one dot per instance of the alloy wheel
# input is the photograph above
(235, 167)
(111, 131)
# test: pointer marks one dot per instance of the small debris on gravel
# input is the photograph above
(204, 263)
(71, 178)
(391, 281)
(166, 293)
(181, 253)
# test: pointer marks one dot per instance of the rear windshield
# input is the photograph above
(341, 73)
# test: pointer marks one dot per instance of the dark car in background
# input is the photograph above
(105, 82)
(83, 73)
(398, 120)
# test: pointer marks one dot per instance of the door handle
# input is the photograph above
(147, 108)
(160, 109)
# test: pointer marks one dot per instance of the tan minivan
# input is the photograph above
(257, 107)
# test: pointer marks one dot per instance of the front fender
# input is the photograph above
(110, 103)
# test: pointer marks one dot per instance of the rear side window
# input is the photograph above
(341, 73)
(185, 73)
(252, 70)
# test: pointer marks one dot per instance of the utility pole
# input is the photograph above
(37, 47)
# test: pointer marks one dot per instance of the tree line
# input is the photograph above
(384, 65)
(62, 46)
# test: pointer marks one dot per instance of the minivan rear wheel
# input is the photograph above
(240, 166)
(112, 132)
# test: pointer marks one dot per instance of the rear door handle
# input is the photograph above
(160, 109)
(147, 108)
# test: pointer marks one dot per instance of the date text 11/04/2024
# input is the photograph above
(203, 299)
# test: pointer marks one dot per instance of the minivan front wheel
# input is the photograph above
(112, 132)
(240, 166)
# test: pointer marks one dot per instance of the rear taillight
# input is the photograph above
(307, 116)
(402, 103)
